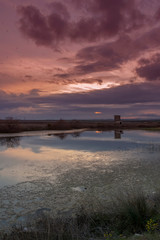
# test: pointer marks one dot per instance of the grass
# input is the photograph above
(144, 236)
(131, 217)
(132, 213)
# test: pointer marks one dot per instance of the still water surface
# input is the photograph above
(60, 170)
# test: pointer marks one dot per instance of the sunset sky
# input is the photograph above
(79, 59)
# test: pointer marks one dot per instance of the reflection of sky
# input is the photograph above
(93, 142)
(47, 156)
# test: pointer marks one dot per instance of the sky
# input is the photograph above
(79, 59)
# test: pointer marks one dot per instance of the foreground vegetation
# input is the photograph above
(131, 217)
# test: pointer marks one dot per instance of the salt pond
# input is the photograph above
(56, 172)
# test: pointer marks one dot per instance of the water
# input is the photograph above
(60, 171)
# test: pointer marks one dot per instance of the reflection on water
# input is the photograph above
(61, 135)
(53, 169)
(49, 156)
(117, 134)
(64, 135)
(10, 142)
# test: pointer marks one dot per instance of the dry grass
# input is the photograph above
(125, 218)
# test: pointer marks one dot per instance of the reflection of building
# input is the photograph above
(117, 119)
(117, 134)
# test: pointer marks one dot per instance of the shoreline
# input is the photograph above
(41, 133)
(19, 126)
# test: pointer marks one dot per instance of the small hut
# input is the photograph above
(117, 119)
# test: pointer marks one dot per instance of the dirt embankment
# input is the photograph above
(12, 126)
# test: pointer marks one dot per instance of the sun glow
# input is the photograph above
(97, 112)
(78, 87)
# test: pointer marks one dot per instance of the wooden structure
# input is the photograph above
(117, 119)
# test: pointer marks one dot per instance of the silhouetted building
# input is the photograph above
(117, 119)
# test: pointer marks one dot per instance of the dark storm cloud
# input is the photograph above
(103, 19)
(138, 93)
(129, 100)
(90, 80)
(110, 56)
(124, 15)
(150, 68)
(126, 94)
(10, 101)
(62, 75)
(28, 76)
(58, 7)
(157, 14)
(104, 57)
(62, 80)
(34, 25)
